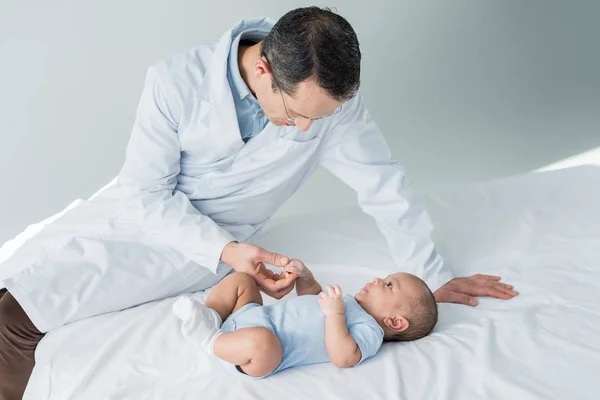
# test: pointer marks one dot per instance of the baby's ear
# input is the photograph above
(396, 324)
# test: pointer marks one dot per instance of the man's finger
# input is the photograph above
(456, 298)
(506, 289)
(461, 298)
(266, 272)
(501, 288)
(479, 288)
(265, 284)
(275, 288)
(281, 293)
(260, 269)
(285, 282)
(277, 260)
(278, 295)
(491, 292)
(492, 289)
(487, 277)
(283, 275)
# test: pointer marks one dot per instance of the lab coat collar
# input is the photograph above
(215, 91)
(215, 87)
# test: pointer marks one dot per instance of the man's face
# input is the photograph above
(309, 101)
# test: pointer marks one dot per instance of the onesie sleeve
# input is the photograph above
(369, 338)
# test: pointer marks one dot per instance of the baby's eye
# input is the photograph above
(389, 284)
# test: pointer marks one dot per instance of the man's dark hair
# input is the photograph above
(315, 43)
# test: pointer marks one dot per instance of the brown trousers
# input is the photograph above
(18, 340)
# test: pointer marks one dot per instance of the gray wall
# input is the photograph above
(463, 90)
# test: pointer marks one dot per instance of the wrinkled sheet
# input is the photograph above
(540, 232)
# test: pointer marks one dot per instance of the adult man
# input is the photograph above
(224, 134)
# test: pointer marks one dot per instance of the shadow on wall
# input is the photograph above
(483, 89)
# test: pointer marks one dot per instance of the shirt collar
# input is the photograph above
(239, 89)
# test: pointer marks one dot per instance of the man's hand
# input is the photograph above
(251, 259)
(275, 285)
(464, 290)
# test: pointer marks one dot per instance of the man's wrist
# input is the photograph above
(228, 252)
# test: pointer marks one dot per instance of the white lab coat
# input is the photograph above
(190, 185)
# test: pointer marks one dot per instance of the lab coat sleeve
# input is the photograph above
(357, 153)
(148, 179)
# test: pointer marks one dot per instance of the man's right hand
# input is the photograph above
(251, 259)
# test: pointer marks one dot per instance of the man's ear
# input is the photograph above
(396, 324)
(262, 66)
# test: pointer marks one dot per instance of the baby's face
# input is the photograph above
(384, 297)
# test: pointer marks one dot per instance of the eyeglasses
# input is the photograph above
(294, 119)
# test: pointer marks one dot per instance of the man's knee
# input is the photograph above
(10, 312)
(267, 352)
(15, 324)
(18, 341)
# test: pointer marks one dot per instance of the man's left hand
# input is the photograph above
(464, 290)
(274, 285)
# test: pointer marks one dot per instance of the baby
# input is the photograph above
(315, 327)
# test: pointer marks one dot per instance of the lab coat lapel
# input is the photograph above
(215, 95)
(216, 99)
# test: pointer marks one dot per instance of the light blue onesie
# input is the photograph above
(299, 323)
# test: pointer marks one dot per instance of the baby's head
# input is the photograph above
(402, 304)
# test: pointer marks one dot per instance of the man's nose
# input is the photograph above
(304, 125)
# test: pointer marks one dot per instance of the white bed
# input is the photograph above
(540, 231)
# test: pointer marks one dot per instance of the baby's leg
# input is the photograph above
(232, 293)
(256, 350)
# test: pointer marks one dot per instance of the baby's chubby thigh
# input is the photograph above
(257, 350)
(266, 351)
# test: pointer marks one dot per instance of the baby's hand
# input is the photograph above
(297, 267)
(305, 281)
(332, 302)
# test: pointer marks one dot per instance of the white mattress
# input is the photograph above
(541, 232)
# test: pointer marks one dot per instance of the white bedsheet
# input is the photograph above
(541, 232)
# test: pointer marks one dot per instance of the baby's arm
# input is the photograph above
(305, 283)
(341, 346)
